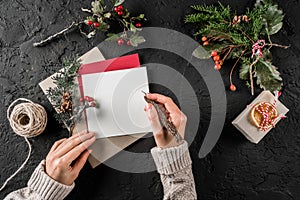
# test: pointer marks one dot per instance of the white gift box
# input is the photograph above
(243, 124)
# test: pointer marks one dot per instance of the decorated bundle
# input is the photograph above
(245, 38)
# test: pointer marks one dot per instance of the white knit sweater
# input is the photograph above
(174, 165)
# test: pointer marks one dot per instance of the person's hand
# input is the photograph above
(68, 156)
(162, 138)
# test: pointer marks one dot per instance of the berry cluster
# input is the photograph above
(121, 41)
(217, 59)
(119, 10)
(205, 41)
(92, 23)
(90, 101)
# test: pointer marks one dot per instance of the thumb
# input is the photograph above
(153, 118)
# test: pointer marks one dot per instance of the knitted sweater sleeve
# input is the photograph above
(41, 187)
(175, 168)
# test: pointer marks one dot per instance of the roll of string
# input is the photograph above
(27, 120)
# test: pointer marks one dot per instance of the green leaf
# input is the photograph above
(107, 15)
(112, 37)
(141, 16)
(244, 72)
(136, 40)
(267, 76)
(119, 2)
(133, 28)
(260, 3)
(272, 19)
(127, 14)
(274, 29)
(201, 53)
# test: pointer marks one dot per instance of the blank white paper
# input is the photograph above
(121, 102)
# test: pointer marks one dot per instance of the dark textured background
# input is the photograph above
(235, 169)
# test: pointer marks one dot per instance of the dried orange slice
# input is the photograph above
(263, 115)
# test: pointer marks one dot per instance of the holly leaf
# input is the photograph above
(260, 3)
(267, 76)
(141, 16)
(244, 72)
(107, 15)
(272, 19)
(136, 40)
(201, 53)
(133, 28)
(119, 2)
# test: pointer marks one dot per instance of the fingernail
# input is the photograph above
(90, 151)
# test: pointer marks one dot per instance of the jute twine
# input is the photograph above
(27, 120)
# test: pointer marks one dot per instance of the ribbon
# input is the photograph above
(257, 48)
(267, 110)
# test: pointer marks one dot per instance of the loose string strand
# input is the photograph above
(27, 120)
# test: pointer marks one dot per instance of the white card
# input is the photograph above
(121, 102)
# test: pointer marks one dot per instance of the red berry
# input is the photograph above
(219, 62)
(216, 58)
(128, 43)
(120, 13)
(217, 67)
(138, 25)
(232, 87)
(96, 24)
(116, 9)
(120, 41)
(86, 98)
(214, 53)
(81, 99)
(205, 43)
(204, 39)
(89, 22)
(120, 8)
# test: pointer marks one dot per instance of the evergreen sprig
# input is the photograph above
(64, 81)
(233, 37)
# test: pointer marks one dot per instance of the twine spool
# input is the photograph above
(27, 120)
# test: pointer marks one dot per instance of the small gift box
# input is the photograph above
(260, 116)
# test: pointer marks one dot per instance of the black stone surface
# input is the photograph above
(235, 169)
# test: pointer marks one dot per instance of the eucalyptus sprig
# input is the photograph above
(101, 18)
(226, 35)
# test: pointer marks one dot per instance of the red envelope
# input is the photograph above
(124, 62)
